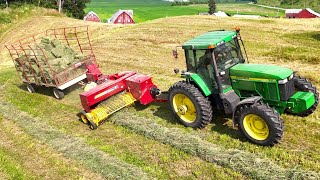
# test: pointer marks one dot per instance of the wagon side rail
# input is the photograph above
(26, 53)
(30, 62)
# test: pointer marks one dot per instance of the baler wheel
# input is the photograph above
(302, 84)
(84, 118)
(58, 93)
(189, 105)
(260, 123)
(30, 88)
(92, 125)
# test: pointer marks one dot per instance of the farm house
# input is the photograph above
(92, 16)
(122, 17)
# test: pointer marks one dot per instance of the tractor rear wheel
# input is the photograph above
(189, 105)
(304, 85)
(260, 123)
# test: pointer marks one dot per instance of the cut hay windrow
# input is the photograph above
(72, 147)
(246, 163)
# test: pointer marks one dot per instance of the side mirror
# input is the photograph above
(175, 54)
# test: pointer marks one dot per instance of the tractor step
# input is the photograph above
(110, 106)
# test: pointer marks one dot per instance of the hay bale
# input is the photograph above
(50, 54)
(56, 43)
(57, 51)
(45, 41)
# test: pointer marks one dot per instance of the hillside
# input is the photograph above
(41, 137)
(10, 16)
(153, 9)
(296, 4)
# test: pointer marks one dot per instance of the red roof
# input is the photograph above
(308, 13)
(122, 17)
(92, 16)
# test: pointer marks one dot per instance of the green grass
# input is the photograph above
(153, 9)
(314, 4)
(10, 167)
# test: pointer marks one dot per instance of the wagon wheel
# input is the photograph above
(59, 94)
(30, 88)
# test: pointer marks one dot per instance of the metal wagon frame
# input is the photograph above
(77, 38)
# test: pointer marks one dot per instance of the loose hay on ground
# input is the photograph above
(247, 163)
(72, 147)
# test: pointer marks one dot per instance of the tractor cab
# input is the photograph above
(211, 58)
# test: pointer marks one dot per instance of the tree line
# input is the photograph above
(72, 8)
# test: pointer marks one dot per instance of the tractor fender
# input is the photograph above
(199, 82)
(250, 100)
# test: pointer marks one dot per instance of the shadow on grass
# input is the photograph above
(163, 111)
(316, 37)
(220, 126)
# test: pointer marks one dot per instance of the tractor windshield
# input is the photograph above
(228, 55)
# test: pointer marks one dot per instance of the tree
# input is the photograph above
(73, 8)
(212, 6)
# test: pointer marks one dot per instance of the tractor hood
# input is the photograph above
(260, 71)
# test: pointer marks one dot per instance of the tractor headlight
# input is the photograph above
(290, 77)
(283, 81)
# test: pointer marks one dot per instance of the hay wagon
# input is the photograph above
(56, 58)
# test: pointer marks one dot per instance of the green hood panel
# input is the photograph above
(260, 71)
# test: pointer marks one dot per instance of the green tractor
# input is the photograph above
(254, 95)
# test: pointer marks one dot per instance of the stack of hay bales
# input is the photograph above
(49, 59)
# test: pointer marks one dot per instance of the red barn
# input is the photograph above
(92, 16)
(308, 13)
(122, 17)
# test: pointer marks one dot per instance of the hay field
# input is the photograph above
(146, 142)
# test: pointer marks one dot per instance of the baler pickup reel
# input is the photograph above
(119, 91)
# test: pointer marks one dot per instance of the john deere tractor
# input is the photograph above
(218, 78)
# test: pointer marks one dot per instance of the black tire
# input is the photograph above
(304, 85)
(30, 88)
(270, 117)
(57, 93)
(84, 118)
(202, 104)
(92, 125)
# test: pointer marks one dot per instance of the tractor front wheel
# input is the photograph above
(260, 123)
(189, 105)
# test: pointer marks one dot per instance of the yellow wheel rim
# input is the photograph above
(185, 108)
(84, 119)
(256, 127)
